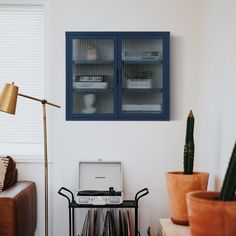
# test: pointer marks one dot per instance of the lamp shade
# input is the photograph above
(8, 98)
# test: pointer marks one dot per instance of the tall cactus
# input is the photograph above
(189, 145)
(229, 185)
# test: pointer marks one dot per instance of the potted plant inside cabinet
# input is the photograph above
(214, 213)
(139, 79)
(179, 183)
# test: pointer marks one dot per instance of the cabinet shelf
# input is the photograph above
(72, 205)
(138, 112)
(100, 62)
(125, 204)
(141, 90)
(142, 61)
(93, 90)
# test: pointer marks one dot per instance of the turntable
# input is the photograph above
(100, 183)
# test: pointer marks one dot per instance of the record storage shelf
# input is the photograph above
(72, 205)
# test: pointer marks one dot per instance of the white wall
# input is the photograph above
(216, 88)
(202, 78)
(146, 149)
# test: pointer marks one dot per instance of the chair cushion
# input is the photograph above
(8, 172)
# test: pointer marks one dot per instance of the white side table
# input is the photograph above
(170, 229)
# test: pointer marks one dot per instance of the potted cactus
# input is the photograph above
(181, 182)
(189, 145)
(219, 207)
(229, 185)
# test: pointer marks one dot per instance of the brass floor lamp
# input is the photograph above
(8, 100)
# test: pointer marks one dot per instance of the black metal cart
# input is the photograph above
(126, 204)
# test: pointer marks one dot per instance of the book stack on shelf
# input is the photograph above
(111, 225)
(142, 107)
(139, 55)
(90, 82)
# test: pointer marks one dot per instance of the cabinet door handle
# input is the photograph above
(118, 77)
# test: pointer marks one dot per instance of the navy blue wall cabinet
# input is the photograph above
(117, 75)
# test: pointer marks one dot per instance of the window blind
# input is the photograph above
(22, 56)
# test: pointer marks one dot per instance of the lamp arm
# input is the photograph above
(43, 101)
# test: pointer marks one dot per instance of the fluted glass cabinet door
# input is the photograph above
(142, 75)
(92, 76)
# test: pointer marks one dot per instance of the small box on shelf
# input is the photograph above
(142, 107)
(90, 85)
(89, 78)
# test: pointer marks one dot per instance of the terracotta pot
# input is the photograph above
(178, 185)
(210, 217)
